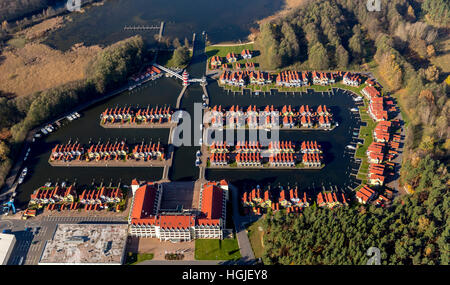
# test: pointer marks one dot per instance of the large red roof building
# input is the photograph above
(147, 220)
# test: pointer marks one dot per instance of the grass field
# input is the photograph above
(256, 238)
(135, 258)
(214, 249)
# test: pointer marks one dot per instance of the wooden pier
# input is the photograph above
(145, 28)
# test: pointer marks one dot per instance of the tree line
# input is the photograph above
(414, 230)
(397, 45)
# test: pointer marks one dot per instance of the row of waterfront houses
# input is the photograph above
(66, 198)
(269, 117)
(108, 151)
(288, 78)
(258, 201)
(277, 154)
(231, 57)
(136, 115)
(152, 71)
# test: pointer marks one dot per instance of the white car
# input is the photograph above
(69, 118)
(77, 115)
(200, 141)
(44, 131)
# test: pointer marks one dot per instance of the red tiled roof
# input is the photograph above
(144, 200)
(212, 199)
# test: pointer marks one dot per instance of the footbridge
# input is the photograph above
(176, 74)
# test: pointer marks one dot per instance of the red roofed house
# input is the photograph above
(365, 195)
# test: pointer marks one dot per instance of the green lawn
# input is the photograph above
(222, 52)
(214, 249)
(255, 236)
(135, 258)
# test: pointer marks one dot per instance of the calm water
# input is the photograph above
(184, 17)
(228, 20)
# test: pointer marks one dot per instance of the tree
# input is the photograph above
(437, 10)
(181, 56)
(4, 150)
(5, 25)
(341, 57)
(317, 57)
(176, 43)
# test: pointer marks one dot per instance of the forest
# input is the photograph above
(398, 45)
(18, 115)
(414, 230)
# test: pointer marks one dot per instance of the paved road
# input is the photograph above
(241, 234)
(395, 183)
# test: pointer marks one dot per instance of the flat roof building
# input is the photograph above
(7, 242)
(86, 244)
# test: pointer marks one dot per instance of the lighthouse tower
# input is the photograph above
(185, 78)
